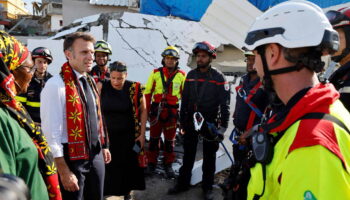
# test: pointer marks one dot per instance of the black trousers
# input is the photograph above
(209, 158)
(90, 174)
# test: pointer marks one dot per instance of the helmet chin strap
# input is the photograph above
(267, 81)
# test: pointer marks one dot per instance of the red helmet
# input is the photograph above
(204, 46)
(339, 18)
(42, 52)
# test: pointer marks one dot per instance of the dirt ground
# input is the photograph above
(157, 187)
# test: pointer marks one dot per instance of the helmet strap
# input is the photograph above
(267, 80)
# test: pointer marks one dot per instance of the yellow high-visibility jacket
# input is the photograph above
(154, 88)
(312, 159)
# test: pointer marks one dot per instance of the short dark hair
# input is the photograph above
(117, 66)
(309, 57)
(69, 40)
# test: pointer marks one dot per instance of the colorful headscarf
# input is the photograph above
(12, 54)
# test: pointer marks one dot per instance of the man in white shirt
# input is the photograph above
(72, 123)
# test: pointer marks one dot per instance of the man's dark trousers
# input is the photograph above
(209, 158)
(90, 174)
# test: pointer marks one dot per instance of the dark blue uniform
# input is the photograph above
(207, 93)
(31, 99)
(341, 80)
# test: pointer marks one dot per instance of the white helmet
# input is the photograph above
(293, 24)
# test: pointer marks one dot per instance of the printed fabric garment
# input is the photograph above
(13, 53)
(123, 174)
(19, 156)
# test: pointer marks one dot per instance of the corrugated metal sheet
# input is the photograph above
(111, 2)
(230, 19)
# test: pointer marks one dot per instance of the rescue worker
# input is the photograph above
(163, 93)
(251, 101)
(100, 71)
(42, 58)
(205, 101)
(303, 150)
(341, 78)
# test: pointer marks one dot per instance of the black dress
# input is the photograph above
(123, 174)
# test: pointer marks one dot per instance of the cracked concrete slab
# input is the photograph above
(136, 39)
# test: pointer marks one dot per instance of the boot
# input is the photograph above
(169, 172)
(151, 169)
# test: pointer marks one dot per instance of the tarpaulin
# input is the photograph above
(186, 9)
(265, 4)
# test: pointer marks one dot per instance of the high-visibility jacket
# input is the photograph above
(31, 99)
(154, 91)
(312, 159)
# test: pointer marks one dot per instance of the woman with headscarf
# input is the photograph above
(124, 109)
(23, 148)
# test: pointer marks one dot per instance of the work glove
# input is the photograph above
(220, 134)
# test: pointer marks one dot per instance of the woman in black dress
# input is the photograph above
(124, 110)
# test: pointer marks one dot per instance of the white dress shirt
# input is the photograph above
(53, 113)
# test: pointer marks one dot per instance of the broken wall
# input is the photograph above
(138, 40)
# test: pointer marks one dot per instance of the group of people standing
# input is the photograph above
(92, 114)
(291, 138)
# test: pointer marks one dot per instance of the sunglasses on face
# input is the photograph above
(336, 17)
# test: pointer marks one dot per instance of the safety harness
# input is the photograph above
(163, 102)
(248, 100)
(198, 118)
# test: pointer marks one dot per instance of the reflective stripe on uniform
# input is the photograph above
(21, 99)
(33, 104)
(345, 89)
